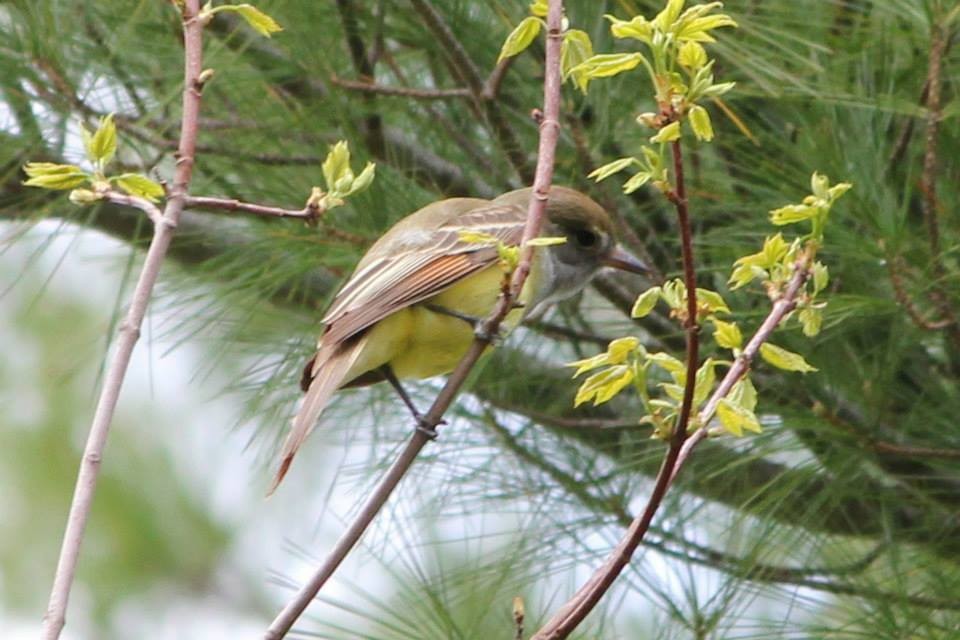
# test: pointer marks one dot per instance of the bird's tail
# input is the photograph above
(330, 367)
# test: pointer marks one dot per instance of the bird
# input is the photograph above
(406, 311)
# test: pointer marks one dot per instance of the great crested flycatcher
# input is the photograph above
(401, 314)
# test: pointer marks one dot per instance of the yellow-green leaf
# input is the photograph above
(363, 180)
(102, 144)
(712, 300)
(700, 123)
(699, 29)
(669, 133)
(672, 365)
(546, 241)
(692, 55)
(706, 378)
(49, 175)
(793, 213)
(539, 8)
(668, 16)
(602, 386)
(820, 185)
(607, 170)
(604, 65)
(140, 186)
(638, 28)
(336, 166)
(645, 303)
(258, 20)
(587, 364)
(520, 38)
(736, 418)
(618, 350)
(821, 276)
(636, 181)
(727, 334)
(744, 394)
(783, 359)
(575, 50)
(811, 318)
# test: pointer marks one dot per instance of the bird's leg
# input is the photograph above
(473, 321)
(422, 426)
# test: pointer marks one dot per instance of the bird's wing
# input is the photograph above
(431, 261)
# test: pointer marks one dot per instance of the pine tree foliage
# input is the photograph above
(839, 521)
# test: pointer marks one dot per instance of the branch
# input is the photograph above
(549, 132)
(586, 598)
(153, 212)
(311, 213)
(129, 333)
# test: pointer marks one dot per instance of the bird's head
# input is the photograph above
(590, 242)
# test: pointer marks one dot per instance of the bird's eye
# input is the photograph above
(585, 238)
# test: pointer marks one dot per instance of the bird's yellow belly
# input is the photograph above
(419, 343)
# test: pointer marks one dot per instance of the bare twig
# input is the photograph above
(586, 598)
(55, 617)
(310, 213)
(549, 132)
(153, 211)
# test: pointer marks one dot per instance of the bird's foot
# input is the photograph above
(479, 330)
(426, 428)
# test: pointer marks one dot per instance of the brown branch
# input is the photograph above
(129, 333)
(549, 132)
(403, 92)
(153, 211)
(586, 598)
(310, 213)
(577, 608)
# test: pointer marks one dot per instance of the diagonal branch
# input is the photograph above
(55, 617)
(549, 132)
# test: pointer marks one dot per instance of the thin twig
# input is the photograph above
(153, 211)
(586, 598)
(310, 213)
(129, 333)
(549, 132)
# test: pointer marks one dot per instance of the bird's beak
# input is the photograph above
(622, 259)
